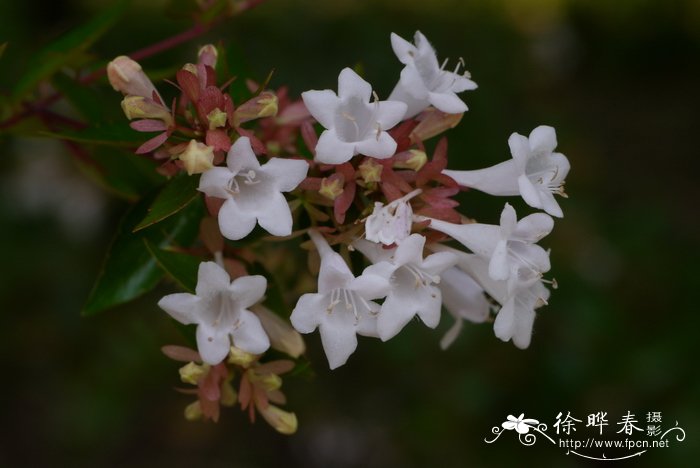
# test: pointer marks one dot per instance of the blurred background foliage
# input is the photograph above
(619, 82)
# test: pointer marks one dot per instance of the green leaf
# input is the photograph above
(86, 100)
(60, 52)
(176, 194)
(181, 267)
(111, 134)
(122, 173)
(129, 270)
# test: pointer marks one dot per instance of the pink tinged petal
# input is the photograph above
(211, 279)
(389, 113)
(500, 180)
(148, 125)
(322, 106)
(447, 102)
(308, 311)
(462, 296)
(248, 290)
(213, 344)
(412, 83)
(543, 139)
(351, 84)
(404, 50)
(533, 227)
(181, 353)
(519, 147)
(331, 150)
(287, 173)
(248, 333)
(380, 147)
(275, 216)
(235, 223)
(499, 266)
(183, 307)
(215, 181)
(529, 193)
(152, 144)
(241, 156)
(338, 336)
(550, 205)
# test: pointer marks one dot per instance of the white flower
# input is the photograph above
(220, 310)
(354, 125)
(253, 192)
(517, 314)
(343, 305)
(510, 247)
(424, 82)
(464, 299)
(414, 282)
(390, 224)
(536, 172)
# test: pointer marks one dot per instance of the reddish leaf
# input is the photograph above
(152, 144)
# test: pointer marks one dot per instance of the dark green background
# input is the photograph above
(619, 82)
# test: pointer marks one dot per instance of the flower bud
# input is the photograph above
(193, 411)
(371, 171)
(229, 396)
(332, 187)
(241, 358)
(282, 421)
(190, 67)
(139, 107)
(126, 76)
(217, 118)
(208, 55)
(434, 122)
(412, 159)
(191, 372)
(282, 336)
(267, 381)
(197, 157)
(263, 105)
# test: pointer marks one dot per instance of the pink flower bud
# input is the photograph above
(127, 77)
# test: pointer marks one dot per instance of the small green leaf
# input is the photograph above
(181, 267)
(60, 52)
(129, 270)
(176, 194)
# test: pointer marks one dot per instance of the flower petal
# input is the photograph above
(241, 156)
(352, 84)
(543, 139)
(213, 344)
(462, 83)
(338, 337)
(499, 267)
(183, 307)
(501, 179)
(211, 279)
(380, 146)
(276, 218)
(248, 290)
(248, 334)
(234, 222)
(528, 191)
(321, 105)
(308, 311)
(389, 113)
(550, 205)
(287, 173)
(412, 83)
(533, 227)
(462, 296)
(331, 150)
(214, 182)
(451, 334)
(404, 50)
(447, 102)
(373, 283)
(519, 147)
(437, 263)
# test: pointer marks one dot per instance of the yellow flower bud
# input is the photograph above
(434, 123)
(191, 372)
(139, 107)
(193, 411)
(332, 187)
(190, 67)
(282, 421)
(241, 358)
(197, 157)
(371, 171)
(208, 55)
(263, 105)
(267, 381)
(229, 396)
(416, 160)
(217, 118)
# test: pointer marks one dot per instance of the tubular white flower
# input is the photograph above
(424, 81)
(464, 299)
(536, 172)
(253, 193)
(354, 125)
(220, 310)
(510, 248)
(343, 306)
(390, 224)
(414, 283)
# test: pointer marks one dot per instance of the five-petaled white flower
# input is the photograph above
(464, 299)
(424, 81)
(391, 223)
(510, 247)
(521, 424)
(220, 310)
(343, 305)
(536, 172)
(354, 125)
(414, 283)
(253, 192)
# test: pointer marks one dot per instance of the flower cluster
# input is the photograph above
(366, 192)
